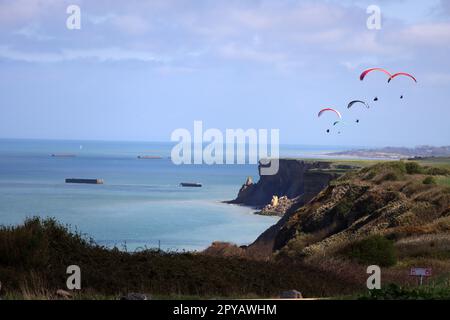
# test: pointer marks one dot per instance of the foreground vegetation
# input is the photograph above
(34, 257)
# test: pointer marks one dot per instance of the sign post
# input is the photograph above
(421, 273)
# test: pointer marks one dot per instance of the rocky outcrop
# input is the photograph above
(277, 207)
(296, 179)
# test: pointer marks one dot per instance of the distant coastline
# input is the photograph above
(396, 152)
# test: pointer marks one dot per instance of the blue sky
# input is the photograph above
(137, 70)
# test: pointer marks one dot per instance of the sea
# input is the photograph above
(141, 204)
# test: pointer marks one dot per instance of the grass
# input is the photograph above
(433, 246)
(440, 162)
(341, 161)
(443, 181)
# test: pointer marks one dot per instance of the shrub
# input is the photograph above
(24, 247)
(429, 180)
(389, 176)
(413, 168)
(373, 250)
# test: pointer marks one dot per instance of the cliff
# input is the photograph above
(398, 200)
(296, 179)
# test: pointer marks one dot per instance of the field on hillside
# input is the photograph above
(443, 162)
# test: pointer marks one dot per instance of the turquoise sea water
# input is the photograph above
(140, 204)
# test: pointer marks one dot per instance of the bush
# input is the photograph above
(413, 168)
(373, 250)
(391, 176)
(24, 247)
(429, 180)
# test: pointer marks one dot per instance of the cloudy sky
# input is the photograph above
(137, 70)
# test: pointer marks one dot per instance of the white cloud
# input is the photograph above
(359, 62)
(22, 11)
(269, 32)
(234, 51)
(430, 34)
(99, 54)
(131, 24)
(33, 33)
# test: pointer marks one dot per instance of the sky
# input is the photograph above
(138, 70)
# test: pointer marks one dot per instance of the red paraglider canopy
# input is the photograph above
(364, 74)
(329, 109)
(401, 74)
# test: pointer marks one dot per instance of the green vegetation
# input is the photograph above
(395, 292)
(385, 171)
(438, 162)
(413, 168)
(34, 257)
(373, 250)
(445, 181)
(429, 180)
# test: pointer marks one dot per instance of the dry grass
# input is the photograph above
(436, 246)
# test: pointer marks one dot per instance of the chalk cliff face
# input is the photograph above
(295, 179)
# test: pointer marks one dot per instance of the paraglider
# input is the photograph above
(401, 74)
(357, 101)
(340, 123)
(330, 109)
(337, 122)
(366, 72)
(391, 76)
(361, 102)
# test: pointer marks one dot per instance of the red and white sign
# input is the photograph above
(421, 272)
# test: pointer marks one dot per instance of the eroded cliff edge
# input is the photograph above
(296, 179)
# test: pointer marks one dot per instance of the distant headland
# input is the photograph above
(396, 152)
